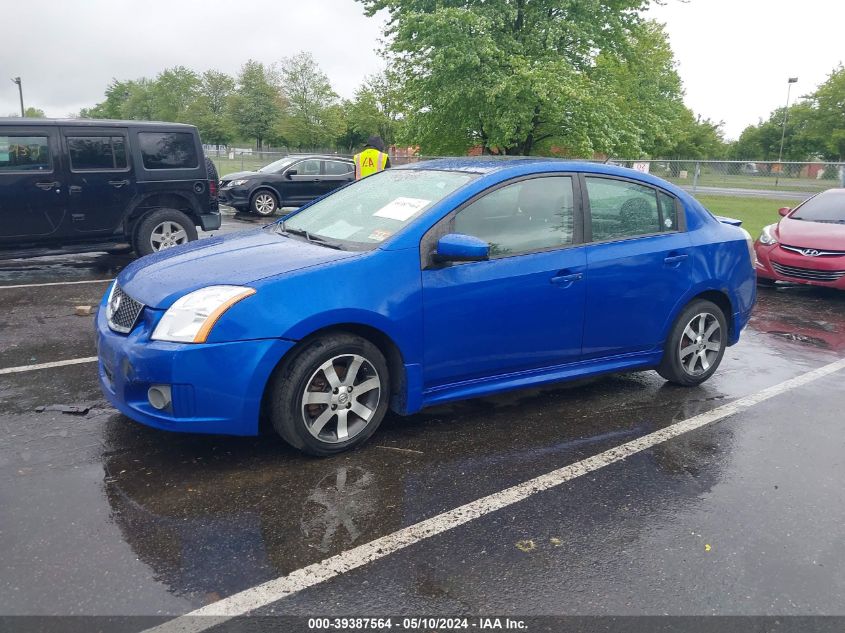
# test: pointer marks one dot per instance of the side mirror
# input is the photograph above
(456, 247)
(290, 172)
(784, 211)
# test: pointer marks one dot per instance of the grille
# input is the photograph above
(122, 311)
(808, 273)
(817, 253)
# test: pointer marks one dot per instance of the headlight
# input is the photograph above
(191, 318)
(238, 183)
(767, 237)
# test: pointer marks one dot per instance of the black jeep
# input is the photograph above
(85, 185)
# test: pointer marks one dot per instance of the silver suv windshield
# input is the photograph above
(371, 210)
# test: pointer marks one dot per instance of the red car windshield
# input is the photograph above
(825, 207)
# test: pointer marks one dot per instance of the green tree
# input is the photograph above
(692, 137)
(374, 111)
(172, 93)
(827, 125)
(117, 93)
(34, 113)
(210, 109)
(256, 104)
(510, 75)
(312, 117)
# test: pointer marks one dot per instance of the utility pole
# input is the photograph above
(789, 83)
(17, 80)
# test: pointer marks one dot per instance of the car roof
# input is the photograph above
(31, 122)
(320, 156)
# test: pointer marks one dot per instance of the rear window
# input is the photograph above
(95, 153)
(168, 150)
(24, 153)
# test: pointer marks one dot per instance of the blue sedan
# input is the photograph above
(421, 285)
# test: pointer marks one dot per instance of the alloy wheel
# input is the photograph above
(167, 234)
(700, 343)
(341, 398)
(264, 204)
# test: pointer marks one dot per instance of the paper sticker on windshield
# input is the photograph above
(401, 209)
(379, 235)
(340, 230)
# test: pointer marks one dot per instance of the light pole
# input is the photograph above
(17, 80)
(789, 83)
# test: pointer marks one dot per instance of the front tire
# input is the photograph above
(264, 203)
(163, 229)
(331, 396)
(696, 344)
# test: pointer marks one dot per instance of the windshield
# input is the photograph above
(371, 210)
(825, 207)
(276, 165)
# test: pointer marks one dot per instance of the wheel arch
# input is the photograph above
(169, 200)
(720, 297)
(386, 345)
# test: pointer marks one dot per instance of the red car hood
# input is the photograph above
(818, 235)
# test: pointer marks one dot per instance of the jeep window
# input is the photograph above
(24, 153)
(96, 153)
(168, 150)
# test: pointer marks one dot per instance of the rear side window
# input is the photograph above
(337, 168)
(620, 209)
(668, 212)
(96, 153)
(168, 150)
(24, 153)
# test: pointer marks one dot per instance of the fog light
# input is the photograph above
(159, 397)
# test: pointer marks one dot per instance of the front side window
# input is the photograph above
(168, 150)
(620, 209)
(336, 168)
(95, 153)
(24, 153)
(526, 216)
(371, 210)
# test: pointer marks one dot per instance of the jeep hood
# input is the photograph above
(236, 259)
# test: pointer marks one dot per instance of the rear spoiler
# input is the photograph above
(731, 221)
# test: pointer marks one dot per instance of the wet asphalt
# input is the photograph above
(102, 516)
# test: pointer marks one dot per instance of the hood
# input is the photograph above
(239, 174)
(236, 259)
(820, 235)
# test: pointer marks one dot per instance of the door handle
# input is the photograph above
(566, 280)
(46, 186)
(75, 189)
(675, 259)
(117, 184)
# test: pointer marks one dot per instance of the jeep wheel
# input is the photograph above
(162, 229)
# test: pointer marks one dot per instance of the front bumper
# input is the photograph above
(776, 264)
(234, 197)
(216, 388)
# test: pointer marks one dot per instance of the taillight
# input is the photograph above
(212, 188)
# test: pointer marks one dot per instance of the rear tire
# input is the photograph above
(318, 407)
(162, 229)
(696, 344)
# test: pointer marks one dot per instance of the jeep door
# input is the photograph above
(101, 180)
(33, 194)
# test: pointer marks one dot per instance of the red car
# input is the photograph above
(808, 245)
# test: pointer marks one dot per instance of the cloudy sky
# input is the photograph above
(734, 55)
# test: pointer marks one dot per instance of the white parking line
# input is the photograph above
(273, 590)
(58, 283)
(57, 363)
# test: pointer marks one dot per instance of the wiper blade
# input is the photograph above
(311, 238)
